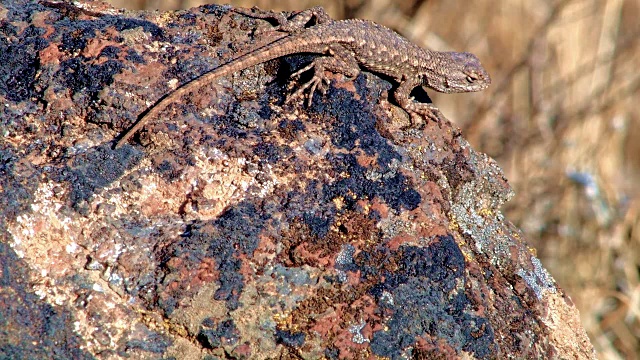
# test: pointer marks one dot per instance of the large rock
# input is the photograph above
(236, 226)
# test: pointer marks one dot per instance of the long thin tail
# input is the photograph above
(265, 53)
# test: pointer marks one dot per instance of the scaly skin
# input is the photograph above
(348, 45)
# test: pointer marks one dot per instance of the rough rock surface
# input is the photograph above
(236, 226)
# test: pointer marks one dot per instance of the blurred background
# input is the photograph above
(562, 118)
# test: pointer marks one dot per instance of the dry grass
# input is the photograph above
(559, 118)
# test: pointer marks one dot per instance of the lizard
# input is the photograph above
(345, 46)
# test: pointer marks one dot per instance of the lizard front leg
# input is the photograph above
(340, 60)
(415, 109)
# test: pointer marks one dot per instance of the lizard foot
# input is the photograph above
(283, 24)
(297, 22)
(318, 82)
(419, 111)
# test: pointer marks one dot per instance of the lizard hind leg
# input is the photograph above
(296, 22)
(300, 20)
(341, 61)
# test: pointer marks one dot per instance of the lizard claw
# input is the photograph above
(419, 113)
(318, 82)
(303, 70)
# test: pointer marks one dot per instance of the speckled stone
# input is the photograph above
(237, 226)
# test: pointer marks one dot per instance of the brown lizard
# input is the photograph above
(348, 45)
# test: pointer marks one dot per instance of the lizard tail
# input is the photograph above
(273, 50)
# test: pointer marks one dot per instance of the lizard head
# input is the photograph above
(456, 72)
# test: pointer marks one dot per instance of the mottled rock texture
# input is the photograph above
(236, 226)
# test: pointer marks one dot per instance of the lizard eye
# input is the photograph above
(470, 79)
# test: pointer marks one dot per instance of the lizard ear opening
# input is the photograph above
(436, 82)
(432, 82)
